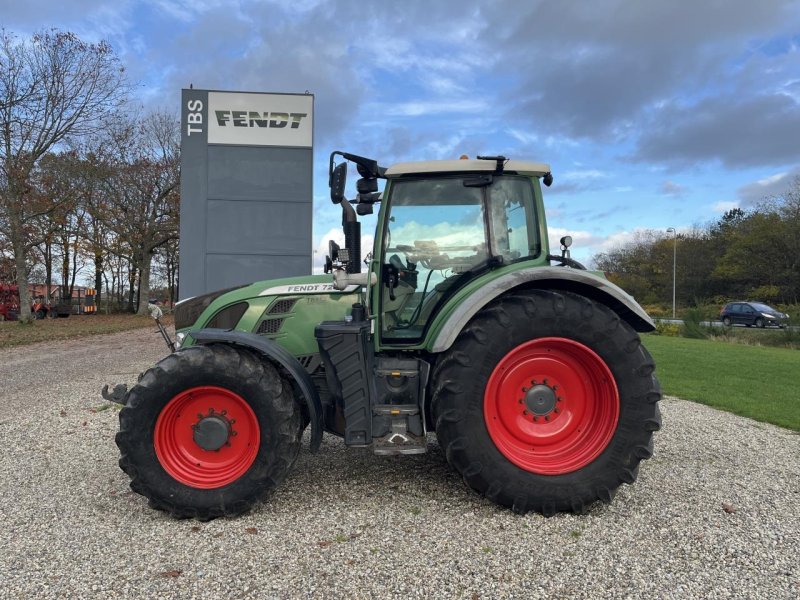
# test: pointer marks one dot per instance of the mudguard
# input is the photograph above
(573, 280)
(279, 355)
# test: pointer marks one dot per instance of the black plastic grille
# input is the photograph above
(270, 326)
(284, 305)
(187, 311)
(228, 317)
(310, 362)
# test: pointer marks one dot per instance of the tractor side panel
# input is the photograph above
(290, 320)
(283, 310)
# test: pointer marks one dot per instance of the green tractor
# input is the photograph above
(528, 367)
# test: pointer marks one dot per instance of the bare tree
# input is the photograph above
(142, 192)
(51, 87)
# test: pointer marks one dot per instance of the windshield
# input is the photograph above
(440, 232)
(762, 307)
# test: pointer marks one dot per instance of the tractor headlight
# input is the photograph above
(179, 337)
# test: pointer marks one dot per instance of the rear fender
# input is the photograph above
(556, 278)
(287, 363)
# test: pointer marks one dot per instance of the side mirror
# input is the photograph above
(333, 255)
(155, 312)
(367, 185)
(333, 250)
(337, 181)
(548, 179)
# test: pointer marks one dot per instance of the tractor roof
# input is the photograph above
(465, 166)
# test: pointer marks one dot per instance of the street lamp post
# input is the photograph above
(674, 262)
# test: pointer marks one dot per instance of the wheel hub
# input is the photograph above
(551, 405)
(212, 431)
(540, 400)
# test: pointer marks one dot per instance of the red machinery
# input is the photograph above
(9, 302)
(41, 307)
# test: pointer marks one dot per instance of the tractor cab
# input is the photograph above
(442, 225)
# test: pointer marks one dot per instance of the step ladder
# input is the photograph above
(400, 439)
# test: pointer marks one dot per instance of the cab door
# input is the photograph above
(437, 234)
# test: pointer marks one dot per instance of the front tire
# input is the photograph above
(547, 402)
(208, 432)
(759, 323)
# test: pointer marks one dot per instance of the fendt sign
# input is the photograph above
(260, 119)
(246, 192)
(232, 112)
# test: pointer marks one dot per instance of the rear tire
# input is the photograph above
(230, 390)
(726, 321)
(580, 425)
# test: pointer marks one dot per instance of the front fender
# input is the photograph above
(585, 283)
(277, 354)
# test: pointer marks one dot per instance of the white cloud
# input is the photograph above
(584, 174)
(767, 181)
(581, 240)
(771, 185)
(724, 206)
(621, 238)
(523, 137)
(434, 107)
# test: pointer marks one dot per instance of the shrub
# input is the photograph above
(668, 329)
(692, 324)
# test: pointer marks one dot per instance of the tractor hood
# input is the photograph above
(283, 310)
(189, 311)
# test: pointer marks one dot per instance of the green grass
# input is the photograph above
(14, 333)
(752, 381)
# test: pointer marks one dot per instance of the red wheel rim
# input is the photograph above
(551, 406)
(184, 459)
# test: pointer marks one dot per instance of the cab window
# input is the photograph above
(441, 232)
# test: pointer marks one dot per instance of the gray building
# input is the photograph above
(246, 188)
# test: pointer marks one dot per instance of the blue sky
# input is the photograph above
(651, 114)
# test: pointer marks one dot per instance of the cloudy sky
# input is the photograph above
(652, 114)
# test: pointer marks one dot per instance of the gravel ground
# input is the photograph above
(713, 515)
